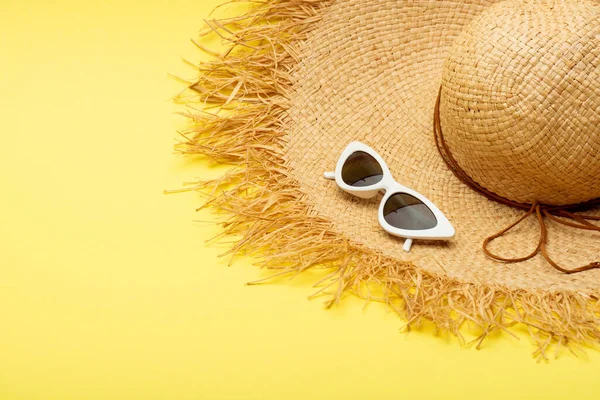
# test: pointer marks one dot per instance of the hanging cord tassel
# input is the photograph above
(584, 224)
(503, 232)
(540, 212)
(573, 220)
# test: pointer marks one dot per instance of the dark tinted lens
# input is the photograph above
(404, 211)
(361, 169)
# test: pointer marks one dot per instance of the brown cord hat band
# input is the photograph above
(541, 211)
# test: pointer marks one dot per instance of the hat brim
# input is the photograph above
(370, 71)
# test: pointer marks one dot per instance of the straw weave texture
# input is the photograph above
(371, 72)
(300, 79)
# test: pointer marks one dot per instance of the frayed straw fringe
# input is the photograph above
(238, 112)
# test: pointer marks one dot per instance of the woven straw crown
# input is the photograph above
(521, 101)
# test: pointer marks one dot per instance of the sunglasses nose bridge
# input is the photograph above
(366, 194)
(387, 183)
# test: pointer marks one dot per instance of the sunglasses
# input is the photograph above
(403, 212)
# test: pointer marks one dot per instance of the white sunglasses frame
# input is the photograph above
(442, 231)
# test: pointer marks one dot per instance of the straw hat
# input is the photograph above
(514, 90)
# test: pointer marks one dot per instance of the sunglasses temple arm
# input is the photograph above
(329, 175)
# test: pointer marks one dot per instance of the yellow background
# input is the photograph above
(107, 289)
